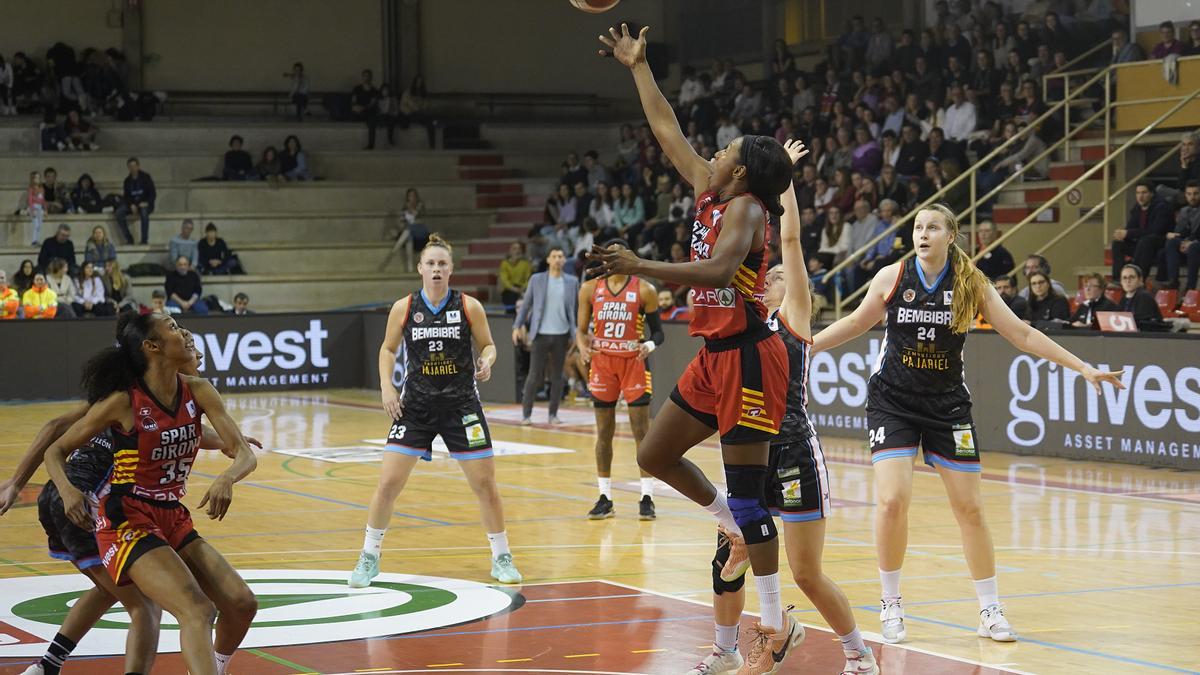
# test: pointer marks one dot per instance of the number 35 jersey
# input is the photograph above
(921, 355)
(438, 363)
(617, 318)
(153, 460)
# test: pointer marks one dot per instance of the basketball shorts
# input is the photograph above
(612, 377)
(798, 482)
(66, 540)
(898, 423)
(462, 427)
(737, 386)
(131, 527)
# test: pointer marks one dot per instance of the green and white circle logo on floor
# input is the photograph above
(294, 607)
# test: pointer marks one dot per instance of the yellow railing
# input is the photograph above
(840, 303)
(1101, 165)
(1104, 203)
(968, 177)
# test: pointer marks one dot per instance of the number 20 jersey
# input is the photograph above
(921, 355)
(617, 318)
(154, 459)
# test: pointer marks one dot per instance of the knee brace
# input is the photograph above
(719, 585)
(746, 485)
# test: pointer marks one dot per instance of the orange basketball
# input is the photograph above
(594, 6)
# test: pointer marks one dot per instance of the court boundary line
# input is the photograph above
(873, 636)
(917, 469)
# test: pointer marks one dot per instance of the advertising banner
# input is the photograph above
(1027, 405)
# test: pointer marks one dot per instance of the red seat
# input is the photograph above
(1114, 294)
(1167, 299)
(1191, 306)
(1076, 301)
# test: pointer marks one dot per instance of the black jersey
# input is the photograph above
(439, 364)
(796, 425)
(88, 466)
(920, 354)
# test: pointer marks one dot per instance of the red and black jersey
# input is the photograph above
(617, 318)
(153, 460)
(726, 312)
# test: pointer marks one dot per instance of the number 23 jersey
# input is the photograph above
(438, 362)
(153, 460)
(920, 354)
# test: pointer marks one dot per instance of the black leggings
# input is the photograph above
(554, 348)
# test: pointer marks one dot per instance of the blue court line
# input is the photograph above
(1110, 589)
(1067, 648)
(329, 499)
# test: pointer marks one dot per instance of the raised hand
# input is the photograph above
(613, 260)
(627, 49)
(795, 150)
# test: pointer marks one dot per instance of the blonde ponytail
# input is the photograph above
(969, 285)
(969, 282)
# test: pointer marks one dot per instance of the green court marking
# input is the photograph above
(52, 609)
(26, 568)
(281, 661)
(287, 466)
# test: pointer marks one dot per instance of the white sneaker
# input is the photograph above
(35, 669)
(718, 663)
(992, 624)
(860, 663)
(892, 619)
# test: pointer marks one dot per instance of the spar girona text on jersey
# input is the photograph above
(725, 312)
(617, 318)
(153, 460)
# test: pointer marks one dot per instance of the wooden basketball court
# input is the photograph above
(1099, 563)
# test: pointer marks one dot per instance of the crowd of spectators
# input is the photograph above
(60, 285)
(274, 166)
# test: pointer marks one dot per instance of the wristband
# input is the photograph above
(650, 346)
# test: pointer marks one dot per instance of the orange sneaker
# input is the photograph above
(739, 557)
(768, 649)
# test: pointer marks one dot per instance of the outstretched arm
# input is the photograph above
(867, 314)
(32, 458)
(796, 309)
(631, 51)
(1032, 341)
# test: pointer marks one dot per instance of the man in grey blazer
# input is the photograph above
(546, 322)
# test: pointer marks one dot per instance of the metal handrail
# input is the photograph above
(969, 172)
(1102, 164)
(1105, 202)
(1064, 72)
(839, 301)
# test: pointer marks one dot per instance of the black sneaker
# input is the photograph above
(646, 509)
(603, 509)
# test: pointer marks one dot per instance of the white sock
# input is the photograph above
(853, 642)
(648, 487)
(499, 543)
(891, 585)
(768, 600)
(719, 508)
(373, 541)
(988, 592)
(727, 638)
(222, 662)
(605, 486)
